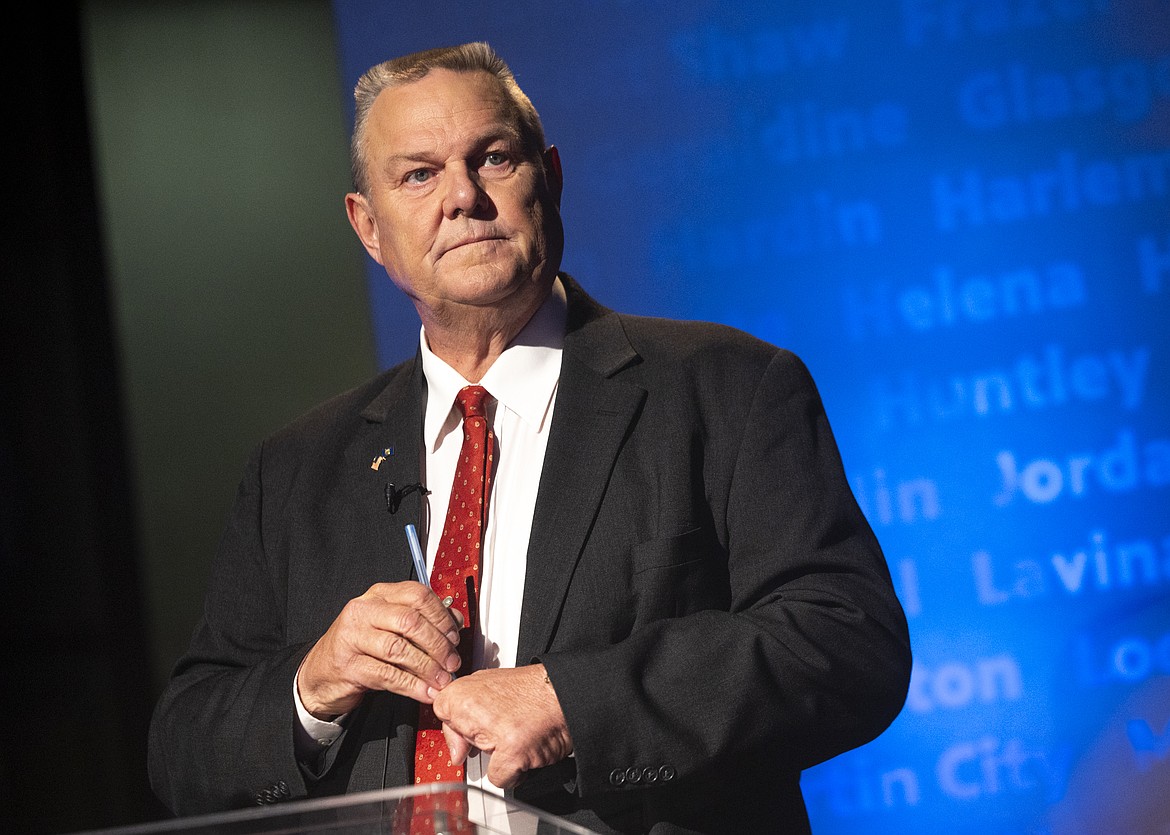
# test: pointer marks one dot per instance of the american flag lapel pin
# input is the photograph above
(380, 457)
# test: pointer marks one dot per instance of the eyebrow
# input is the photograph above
(508, 134)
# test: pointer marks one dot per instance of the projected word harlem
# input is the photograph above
(1069, 184)
(949, 300)
(1098, 566)
(957, 684)
(1124, 466)
(1019, 94)
(1031, 381)
(1130, 659)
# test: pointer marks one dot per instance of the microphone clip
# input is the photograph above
(394, 496)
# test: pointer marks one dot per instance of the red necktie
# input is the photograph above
(456, 571)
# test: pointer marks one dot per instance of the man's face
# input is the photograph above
(455, 212)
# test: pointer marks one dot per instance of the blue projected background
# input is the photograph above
(958, 213)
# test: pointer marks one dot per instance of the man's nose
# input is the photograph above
(464, 194)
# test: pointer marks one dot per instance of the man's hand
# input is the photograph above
(397, 637)
(512, 713)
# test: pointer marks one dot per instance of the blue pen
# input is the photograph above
(420, 563)
(416, 554)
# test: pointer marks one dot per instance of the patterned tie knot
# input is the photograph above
(470, 400)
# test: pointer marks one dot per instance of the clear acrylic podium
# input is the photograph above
(436, 809)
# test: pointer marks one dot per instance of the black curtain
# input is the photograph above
(77, 680)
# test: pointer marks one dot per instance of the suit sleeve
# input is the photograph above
(808, 657)
(222, 732)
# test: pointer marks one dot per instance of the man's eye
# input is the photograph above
(495, 159)
(419, 176)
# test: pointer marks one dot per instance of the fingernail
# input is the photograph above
(453, 662)
(442, 678)
(453, 636)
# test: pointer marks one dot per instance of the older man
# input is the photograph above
(650, 599)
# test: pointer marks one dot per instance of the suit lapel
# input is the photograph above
(393, 434)
(592, 417)
(392, 443)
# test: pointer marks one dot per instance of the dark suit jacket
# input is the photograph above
(711, 606)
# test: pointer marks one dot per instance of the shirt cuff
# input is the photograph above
(312, 735)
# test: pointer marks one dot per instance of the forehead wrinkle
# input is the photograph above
(426, 130)
(479, 96)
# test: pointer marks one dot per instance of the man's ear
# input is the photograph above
(362, 219)
(552, 172)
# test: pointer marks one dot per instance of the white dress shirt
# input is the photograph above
(522, 383)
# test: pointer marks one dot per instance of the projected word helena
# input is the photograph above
(1135, 565)
(1021, 95)
(1124, 466)
(949, 300)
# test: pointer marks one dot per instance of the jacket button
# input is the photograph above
(666, 773)
(617, 777)
(634, 774)
(650, 775)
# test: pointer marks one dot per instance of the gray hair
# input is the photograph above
(471, 57)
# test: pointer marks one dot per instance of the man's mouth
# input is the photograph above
(471, 240)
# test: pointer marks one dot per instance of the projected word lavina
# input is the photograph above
(1130, 659)
(949, 300)
(1033, 382)
(1070, 184)
(1019, 94)
(1133, 565)
(952, 20)
(959, 684)
(988, 766)
(1124, 466)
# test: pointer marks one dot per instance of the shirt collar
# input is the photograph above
(523, 378)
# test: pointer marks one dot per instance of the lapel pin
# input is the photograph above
(377, 462)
